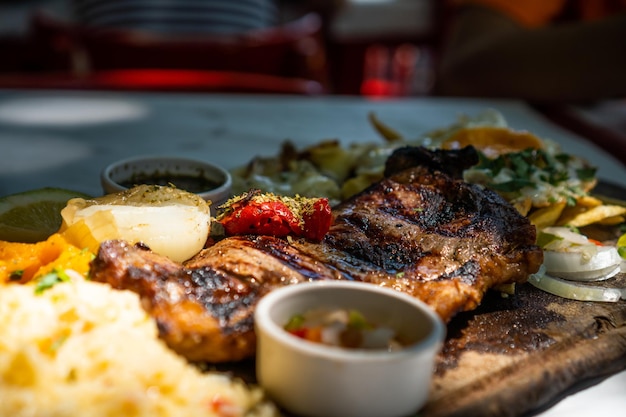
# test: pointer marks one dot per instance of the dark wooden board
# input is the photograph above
(513, 356)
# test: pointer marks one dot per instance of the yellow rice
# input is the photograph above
(84, 349)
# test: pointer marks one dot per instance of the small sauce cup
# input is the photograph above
(210, 181)
(316, 380)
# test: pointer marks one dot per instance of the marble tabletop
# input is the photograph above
(64, 139)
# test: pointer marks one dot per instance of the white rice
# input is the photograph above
(84, 349)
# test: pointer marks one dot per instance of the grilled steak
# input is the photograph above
(418, 231)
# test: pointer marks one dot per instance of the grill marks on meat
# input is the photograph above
(419, 231)
(445, 242)
(200, 313)
(204, 310)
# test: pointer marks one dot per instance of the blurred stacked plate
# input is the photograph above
(178, 16)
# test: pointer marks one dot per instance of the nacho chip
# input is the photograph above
(612, 221)
(493, 141)
(591, 215)
(588, 201)
(546, 216)
(523, 206)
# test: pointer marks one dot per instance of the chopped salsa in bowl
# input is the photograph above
(345, 328)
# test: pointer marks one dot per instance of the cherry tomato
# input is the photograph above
(265, 218)
(267, 214)
(317, 220)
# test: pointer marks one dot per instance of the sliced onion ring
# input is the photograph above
(595, 275)
(573, 290)
(604, 264)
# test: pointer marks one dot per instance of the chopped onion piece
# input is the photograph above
(379, 338)
(575, 291)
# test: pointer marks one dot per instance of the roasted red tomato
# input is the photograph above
(316, 219)
(268, 214)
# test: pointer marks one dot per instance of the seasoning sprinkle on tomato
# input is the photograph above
(260, 213)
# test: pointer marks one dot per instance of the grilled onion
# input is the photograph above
(171, 222)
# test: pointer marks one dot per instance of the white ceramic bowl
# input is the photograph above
(119, 175)
(316, 380)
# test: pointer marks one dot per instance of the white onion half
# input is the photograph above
(169, 221)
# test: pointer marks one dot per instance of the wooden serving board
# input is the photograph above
(516, 355)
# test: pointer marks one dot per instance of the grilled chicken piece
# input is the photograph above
(201, 314)
(419, 231)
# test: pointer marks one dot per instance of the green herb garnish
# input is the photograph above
(556, 176)
(356, 320)
(50, 280)
(295, 322)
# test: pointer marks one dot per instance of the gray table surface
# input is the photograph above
(65, 139)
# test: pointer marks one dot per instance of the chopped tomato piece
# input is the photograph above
(312, 334)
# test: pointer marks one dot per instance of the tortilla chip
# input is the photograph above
(591, 216)
(546, 216)
(523, 206)
(588, 201)
(612, 221)
(583, 204)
